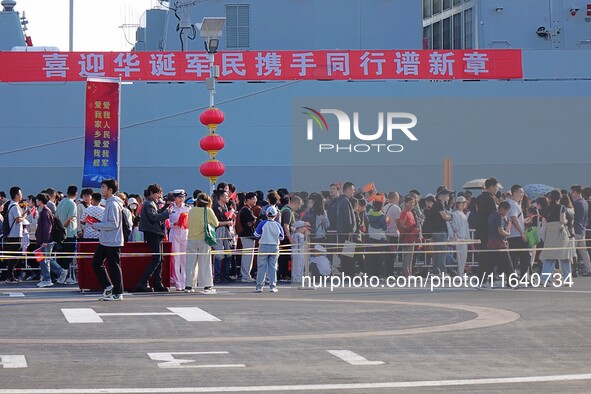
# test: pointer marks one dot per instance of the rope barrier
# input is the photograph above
(284, 250)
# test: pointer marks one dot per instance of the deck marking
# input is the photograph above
(88, 315)
(353, 358)
(304, 387)
(13, 361)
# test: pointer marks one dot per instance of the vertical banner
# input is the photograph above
(101, 135)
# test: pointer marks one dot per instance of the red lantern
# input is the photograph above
(212, 117)
(212, 143)
(212, 170)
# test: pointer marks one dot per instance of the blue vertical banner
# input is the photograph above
(101, 136)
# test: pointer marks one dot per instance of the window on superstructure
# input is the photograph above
(457, 30)
(468, 27)
(436, 7)
(237, 26)
(427, 37)
(437, 35)
(446, 4)
(447, 33)
(457, 2)
(427, 4)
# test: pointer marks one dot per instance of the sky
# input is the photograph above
(96, 23)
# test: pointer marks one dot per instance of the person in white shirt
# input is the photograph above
(460, 232)
(86, 197)
(298, 258)
(179, 231)
(319, 263)
(15, 217)
(392, 211)
(517, 240)
(93, 213)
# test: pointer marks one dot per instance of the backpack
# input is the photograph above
(428, 226)
(6, 226)
(474, 219)
(310, 217)
(58, 231)
(238, 224)
(127, 226)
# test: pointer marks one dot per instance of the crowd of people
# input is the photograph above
(263, 238)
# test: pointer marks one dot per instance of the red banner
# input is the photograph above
(262, 65)
(101, 136)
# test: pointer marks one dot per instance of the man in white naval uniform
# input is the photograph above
(178, 237)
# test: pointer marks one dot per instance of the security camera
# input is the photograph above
(573, 11)
(499, 9)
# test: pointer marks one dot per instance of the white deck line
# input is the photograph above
(303, 387)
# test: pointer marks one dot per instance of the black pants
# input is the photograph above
(484, 259)
(379, 262)
(283, 261)
(154, 242)
(502, 260)
(331, 240)
(520, 258)
(68, 246)
(347, 263)
(391, 256)
(12, 245)
(113, 260)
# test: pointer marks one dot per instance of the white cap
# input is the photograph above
(300, 224)
(271, 211)
(320, 248)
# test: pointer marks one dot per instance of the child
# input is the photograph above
(377, 235)
(298, 260)
(269, 233)
(319, 263)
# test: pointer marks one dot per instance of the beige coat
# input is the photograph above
(555, 236)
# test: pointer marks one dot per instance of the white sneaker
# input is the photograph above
(63, 276)
(71, 281)
(248, 280)
(45, 283)
(108, 291)
(274, 290)
(209, 291)
(258, 291)
(112, 297)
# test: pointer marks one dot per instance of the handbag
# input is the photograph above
(209, 230)
(533, 237)
(349, 249)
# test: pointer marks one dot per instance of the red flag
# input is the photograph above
(183, 221)
(39, 255)
(91, 220)
(369, 187)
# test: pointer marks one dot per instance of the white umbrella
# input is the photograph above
(477, 184)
